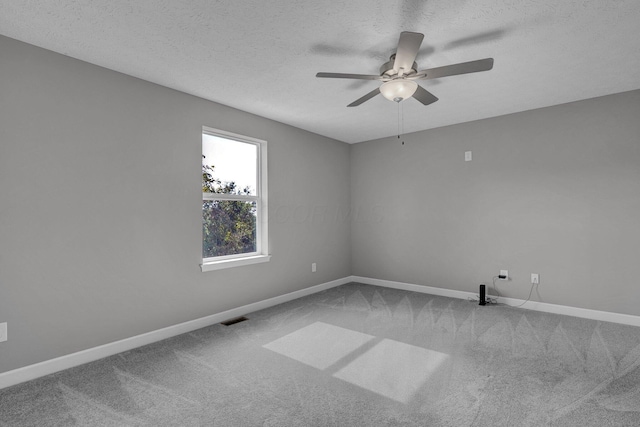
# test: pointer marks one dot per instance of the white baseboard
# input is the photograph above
(605, 316)
(415, 288)
(47, 367)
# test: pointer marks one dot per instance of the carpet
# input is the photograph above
(356, 355)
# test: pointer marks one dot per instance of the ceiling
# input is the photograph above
(262, 56)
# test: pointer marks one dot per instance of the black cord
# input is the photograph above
(490, 300)
(529, 297)
(495, 287)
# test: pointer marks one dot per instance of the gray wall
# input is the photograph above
(100, 207)
(554, 191)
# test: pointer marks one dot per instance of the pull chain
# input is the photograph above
(400, 122)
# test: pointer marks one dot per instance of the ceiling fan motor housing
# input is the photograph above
(386, 69)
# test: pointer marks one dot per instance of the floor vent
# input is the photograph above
(234, 321)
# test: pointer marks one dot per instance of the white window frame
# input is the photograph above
(260, 198)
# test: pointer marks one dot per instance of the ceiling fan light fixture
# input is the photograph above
(398, 90)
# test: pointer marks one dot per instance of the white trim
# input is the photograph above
(234, 262)
(415, 288)
(263, 204)
(224, 196)
(585, 313)
(231, 135)
(47, 367)
(260, 199)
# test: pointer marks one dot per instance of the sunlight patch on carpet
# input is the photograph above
(389, 368)
(319, 345)
(392, 369)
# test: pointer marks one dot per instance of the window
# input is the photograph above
(234, 202)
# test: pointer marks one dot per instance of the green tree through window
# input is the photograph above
(228, 226)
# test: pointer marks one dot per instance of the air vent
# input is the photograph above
(234, 321)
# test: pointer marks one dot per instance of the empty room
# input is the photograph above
(409, 213)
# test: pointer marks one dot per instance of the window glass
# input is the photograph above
(233, 197)
(231, 163)
(228, 227)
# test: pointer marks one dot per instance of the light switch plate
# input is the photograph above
(468, 156)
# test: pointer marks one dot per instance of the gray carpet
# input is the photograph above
(356, 355)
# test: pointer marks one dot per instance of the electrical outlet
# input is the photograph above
(535, 278)
(504, 275)
(3, 332)
(313, 267)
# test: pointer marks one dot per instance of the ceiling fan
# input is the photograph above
(401, 71)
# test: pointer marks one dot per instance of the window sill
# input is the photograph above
(236, 262)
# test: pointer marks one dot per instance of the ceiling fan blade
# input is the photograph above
(424, 96)
(455, 69)
(408, 47)
(349, 76)
(365, 98)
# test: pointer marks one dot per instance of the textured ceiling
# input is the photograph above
(262, 56)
